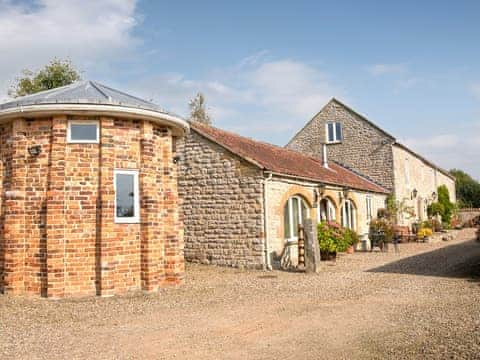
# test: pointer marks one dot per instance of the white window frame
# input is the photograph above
(335, 140)
(351, 220)
(330, 214)
(369, 207)
(300, 216)
(136, 197)
(82, 122)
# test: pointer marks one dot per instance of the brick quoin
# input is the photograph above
(58, 236)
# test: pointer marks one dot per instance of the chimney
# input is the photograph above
(324, 156)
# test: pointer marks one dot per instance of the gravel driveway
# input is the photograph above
(423, 302)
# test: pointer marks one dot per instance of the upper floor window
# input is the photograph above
(334, 132)
(83, 131)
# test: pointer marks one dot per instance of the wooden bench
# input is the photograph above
(404, 233)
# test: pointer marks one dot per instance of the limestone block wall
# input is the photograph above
(412, 173)
(59, 237)
(279, 190)
(222, 205)
(364, 148)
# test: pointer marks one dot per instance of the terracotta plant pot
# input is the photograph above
(350, 249)
(325, 255)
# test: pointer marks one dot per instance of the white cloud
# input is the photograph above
(450, 151)
(384, 69)
(85, 31)
(256, 97)
(443, 141)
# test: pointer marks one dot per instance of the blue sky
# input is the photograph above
(266, 67)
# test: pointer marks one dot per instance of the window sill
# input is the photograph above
(334, 142)
(127, 221)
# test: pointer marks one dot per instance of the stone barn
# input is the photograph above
(89, 201)
(242, 200)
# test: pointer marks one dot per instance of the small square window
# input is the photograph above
(334, 132)
(83, 131)
(127, 200)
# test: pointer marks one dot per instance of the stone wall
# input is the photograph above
(59, 235)
(222, 206)
(412, 173)
(364, 148)
(279, 190)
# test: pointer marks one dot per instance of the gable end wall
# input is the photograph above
(364, 147)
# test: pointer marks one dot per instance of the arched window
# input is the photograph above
(349, 215)
(294, 213)
(326, 210)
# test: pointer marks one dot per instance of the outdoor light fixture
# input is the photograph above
(414, 193)
(35, 150)
(434, 195)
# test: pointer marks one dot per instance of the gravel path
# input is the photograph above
(423, 302)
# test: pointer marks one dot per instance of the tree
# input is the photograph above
(55, 74)
(198, 111)
(467, 189)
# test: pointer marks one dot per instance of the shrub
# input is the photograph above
(334, 238)
(444, 207)
(424, 232)
(383, 226)
(329, 236)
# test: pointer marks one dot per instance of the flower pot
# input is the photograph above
(325, 255)
(350, 249)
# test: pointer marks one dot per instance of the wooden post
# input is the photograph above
(312, 250)
(301, 247)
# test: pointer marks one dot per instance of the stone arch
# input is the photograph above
(322, 207)
(295, 190)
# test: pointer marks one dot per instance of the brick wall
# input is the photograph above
(58, 234)
(222, 205)
(364, 148)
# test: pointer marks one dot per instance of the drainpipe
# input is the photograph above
(266, 246)
(324, 156)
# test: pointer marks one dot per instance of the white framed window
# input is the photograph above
(334, 132)
(326, 210)
(83, 131)
(294, 213)
(127, 196)
(349, 215)
(369, 207)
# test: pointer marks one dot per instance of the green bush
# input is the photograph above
(377, 225)
(334, 238)
(443, 207)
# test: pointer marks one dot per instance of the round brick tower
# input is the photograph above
(89, 202)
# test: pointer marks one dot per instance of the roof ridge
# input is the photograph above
(47, 92)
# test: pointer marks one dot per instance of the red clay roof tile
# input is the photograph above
(284, 161)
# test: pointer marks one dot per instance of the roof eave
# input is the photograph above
(178, 125)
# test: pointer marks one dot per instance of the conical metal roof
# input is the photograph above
(89, 95)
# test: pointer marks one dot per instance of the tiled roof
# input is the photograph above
(284, 161)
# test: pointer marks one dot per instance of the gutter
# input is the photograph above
(178, 125)
(266, 244)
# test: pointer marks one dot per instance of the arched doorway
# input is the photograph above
(294, 213)
(349, 215)
(326, 210)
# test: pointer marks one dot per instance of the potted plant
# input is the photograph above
(424, 234)
(352, 239)
(381, 233)
(330, 240)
